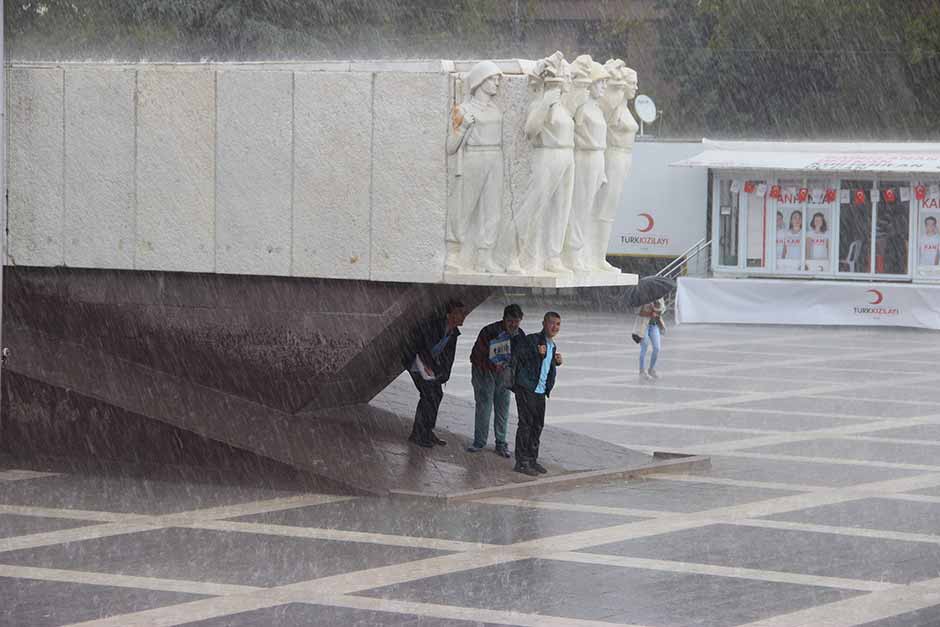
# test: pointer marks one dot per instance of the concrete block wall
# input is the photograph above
(333, 170)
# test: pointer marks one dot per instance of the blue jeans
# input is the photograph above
(652, 337)
(491, 399)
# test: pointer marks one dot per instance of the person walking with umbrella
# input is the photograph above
(648, 326)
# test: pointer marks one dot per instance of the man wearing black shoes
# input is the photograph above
(435, 342)
(534, 358)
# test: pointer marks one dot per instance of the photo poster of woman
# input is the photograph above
(788, 230)
(818, 234)
(803, 230)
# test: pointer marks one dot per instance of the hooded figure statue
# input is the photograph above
(621, 132)
(590, 142)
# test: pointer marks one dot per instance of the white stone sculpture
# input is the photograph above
(621, 133)
(543, 213)
(580, 72)
(477, 194)
(590, 142)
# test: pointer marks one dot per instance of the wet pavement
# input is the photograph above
(821, 508)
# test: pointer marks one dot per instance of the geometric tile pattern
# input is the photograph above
(822, 507)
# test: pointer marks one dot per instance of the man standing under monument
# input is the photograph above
(534, 359)
(435, 342)
(489, 360)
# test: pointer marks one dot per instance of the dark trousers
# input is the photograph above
(531, 408)
(426, 414)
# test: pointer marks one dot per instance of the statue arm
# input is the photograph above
(460, 124)
(615, 119)
(536, 119)
(579, 116)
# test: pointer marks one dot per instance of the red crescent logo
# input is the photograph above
(878, 297)
(649, 222)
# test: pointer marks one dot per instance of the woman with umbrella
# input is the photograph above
(648, 326)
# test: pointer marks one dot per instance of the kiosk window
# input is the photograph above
(893, 227)
(728, 224)
(756, 207)
(855, 220)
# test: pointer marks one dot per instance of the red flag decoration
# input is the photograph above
(890, 196)
(859, 197)
(830, 195)
(920, 192)
(803, 194)
(749, 187)
(775, 191)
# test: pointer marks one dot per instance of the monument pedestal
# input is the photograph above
(294, 378)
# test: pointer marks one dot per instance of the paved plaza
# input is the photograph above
(821, 508)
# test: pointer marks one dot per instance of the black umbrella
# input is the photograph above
(647, 290)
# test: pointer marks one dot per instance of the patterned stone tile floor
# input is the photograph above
(822, 509)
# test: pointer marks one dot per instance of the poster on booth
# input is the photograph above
(802, 248)
(663, 209)
(818, 239)
(928, 237)
(789, 231)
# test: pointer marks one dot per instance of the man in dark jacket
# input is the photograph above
(534, 359)
(488, 360)
(435, 342)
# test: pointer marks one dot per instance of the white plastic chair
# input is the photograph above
(852, 257)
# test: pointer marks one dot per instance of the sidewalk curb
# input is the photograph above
(664, 462)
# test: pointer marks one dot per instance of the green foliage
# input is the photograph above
(749, 68)
(801, 68)
(238, 29)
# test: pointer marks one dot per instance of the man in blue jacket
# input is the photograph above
(535, 358)
(489, 359)
(435, 343)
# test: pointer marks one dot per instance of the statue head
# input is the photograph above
(599, 77)
(581, 70)
(630, 78)
(553, 70)
(484, 75)
(614, 94)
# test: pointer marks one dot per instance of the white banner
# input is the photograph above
(769, 301)
(662, 210)
(791, 157)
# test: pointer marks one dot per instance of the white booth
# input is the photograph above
(834, 211)
(826, 210)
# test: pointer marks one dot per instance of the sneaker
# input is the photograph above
(503, 451)
(644, 376)
(539, 468)
(526, 470)
(436, 440)
(652, 374)
(473, 448)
